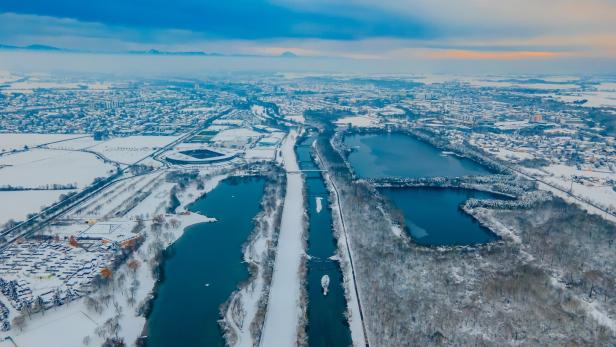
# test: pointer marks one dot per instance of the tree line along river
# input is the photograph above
(204, 266)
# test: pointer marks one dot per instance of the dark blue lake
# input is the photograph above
(434, 218)
(400, 155)
(432, 215)
(204, 266)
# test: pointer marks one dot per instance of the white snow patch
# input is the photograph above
(39, 167)
(319, 202)
(357, 121)
(128, 150)
(283, 311)
(9, 142)
(18, 204)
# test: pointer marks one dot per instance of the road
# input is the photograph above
(28, 226)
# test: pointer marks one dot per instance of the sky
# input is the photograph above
(563, 32)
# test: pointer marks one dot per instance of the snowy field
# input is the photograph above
(236, 137)
(594, 99)
(357, 121)
(130, 149)
(299, 118)
(75, 144)
(261, 153)
(9, 142)
(18, 204)
(32, 83)
(591, 187)
(560, 176)
(40, 167)
(509, 155)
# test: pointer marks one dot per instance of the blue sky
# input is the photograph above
(236, 19)
(359, 29)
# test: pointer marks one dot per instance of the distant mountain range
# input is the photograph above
(33, 47)
(288, 54)
(157, 52)
(37, 47)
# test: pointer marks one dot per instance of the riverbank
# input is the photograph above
(354, 314)
(285, 308)
(471, 296)
(115, 308)
(204, 267)
(244, 312)
(327, 308)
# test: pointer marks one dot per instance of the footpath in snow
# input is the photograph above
(283, 311)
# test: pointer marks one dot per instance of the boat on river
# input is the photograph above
(325, 284)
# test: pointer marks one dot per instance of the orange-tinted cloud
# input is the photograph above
(494, 55)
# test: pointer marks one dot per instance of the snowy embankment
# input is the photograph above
(284, 306)
(354, 317)
(117, 308)
(245, 311)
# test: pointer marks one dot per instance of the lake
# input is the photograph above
(434, 218)
(401, 155)
(204, 266)
(432, 215)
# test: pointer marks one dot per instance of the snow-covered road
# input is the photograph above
(283, 311)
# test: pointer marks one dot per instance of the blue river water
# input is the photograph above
(204, 266)
(327, 325)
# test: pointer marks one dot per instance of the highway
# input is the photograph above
(57, 210)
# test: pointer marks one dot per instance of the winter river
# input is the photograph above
(204, 266)
(327, 325)
(432, 215)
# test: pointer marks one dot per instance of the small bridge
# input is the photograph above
(301, 171)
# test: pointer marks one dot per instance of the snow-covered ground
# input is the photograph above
(39, 167)
(9, 142)
(261, 153)
(76, 144)
(357, 121)
(284, 307)
(299, 118)
(236, 137)
(130, 149)
(587, 184)
(604, 95)
(33, 83)
(558, 179)
(17, 204)
(507, 154)
(71, 323)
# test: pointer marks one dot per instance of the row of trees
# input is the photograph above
(489, 295)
